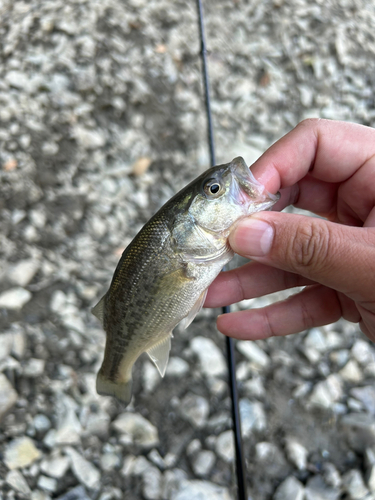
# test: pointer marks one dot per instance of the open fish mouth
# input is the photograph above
(246, 190)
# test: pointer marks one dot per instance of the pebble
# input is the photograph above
(327, 392)
(16, 481)
(253, 353)
(296, 453)
(359, 430)
(55, 466)
(366, 395)
(151, 377)
(41, 423)
(33, 368)
(84, 471)
(47, 483)
(290, 489)
(351, 372)
(354, 485)
(195, 409)
(317, 489)
(253, 417)
(200, 490)
(77, 493)
(151, 483)
(225, 446)
(271, 458)
(21, 452)
(211, 359)
(8, 396)
(177, 367)
(15, 298)
(23, 272)
(140, 430)
(203, 463)
(363, 352)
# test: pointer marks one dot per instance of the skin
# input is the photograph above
(326, 167)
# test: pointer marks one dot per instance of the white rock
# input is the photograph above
(177, 367)
(34, 367)
(296, 453)
(363, 352)
(8, 396)
(15, 298)
(225, 446)
(212, 361)
(327, 392)
(316, 339)
(16, 480)
(6, 344)
(140, 430)
(351, 372)
(109, 461)
(359, 429)
(47, 483)
(203, 463)
(354, 484)
(23, 272)
(201, 490)
(69, 428)
(290, 489)
(370, 478)
(88, 139)
(21, 452)
(254, 387)
(253, 417)
(55, 466)
(253, 353)
(151, 483)
(317, 489)
(366, 395)
(84, 471)
(195, 409)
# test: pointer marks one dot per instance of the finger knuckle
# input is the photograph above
(310, 245)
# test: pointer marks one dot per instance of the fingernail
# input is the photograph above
(252, 237)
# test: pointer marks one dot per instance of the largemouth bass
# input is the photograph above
(163, 275)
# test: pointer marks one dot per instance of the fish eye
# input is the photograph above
(212, 188)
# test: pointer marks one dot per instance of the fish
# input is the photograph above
(163, 275)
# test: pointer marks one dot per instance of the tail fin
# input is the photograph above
(120, 390)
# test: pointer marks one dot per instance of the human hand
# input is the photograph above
(326, 167)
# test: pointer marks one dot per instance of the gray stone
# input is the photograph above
(21, 452)
(354, 485)
(201, 490)
(225, 446)
(359, 429)
(77, 493)
(253, 417)
(363, 352)
(351, 372)
(41, 423)
(290, 489)
(15, 298)
(140, 430)
(253, 353)
(8, 396)
(317, 489)
(212, 361)
(195, 409)
(16, 481)
(33, 368)
(271, 458)
(84, 471)
(366, 395)
(110, 461)
(203, 463)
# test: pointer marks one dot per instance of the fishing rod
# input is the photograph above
(240, 460)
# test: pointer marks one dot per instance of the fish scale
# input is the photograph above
(163, 275)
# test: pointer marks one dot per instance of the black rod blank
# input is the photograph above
(240, 461)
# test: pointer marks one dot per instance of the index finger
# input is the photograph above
(330, 151)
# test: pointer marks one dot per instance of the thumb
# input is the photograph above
(338, 256)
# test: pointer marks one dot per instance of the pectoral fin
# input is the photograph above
(159, 354)
(194, 311)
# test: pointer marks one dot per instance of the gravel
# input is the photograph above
(101, 121)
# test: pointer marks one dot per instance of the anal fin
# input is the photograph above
(194, 311)
(98, 310)
(159, 354)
